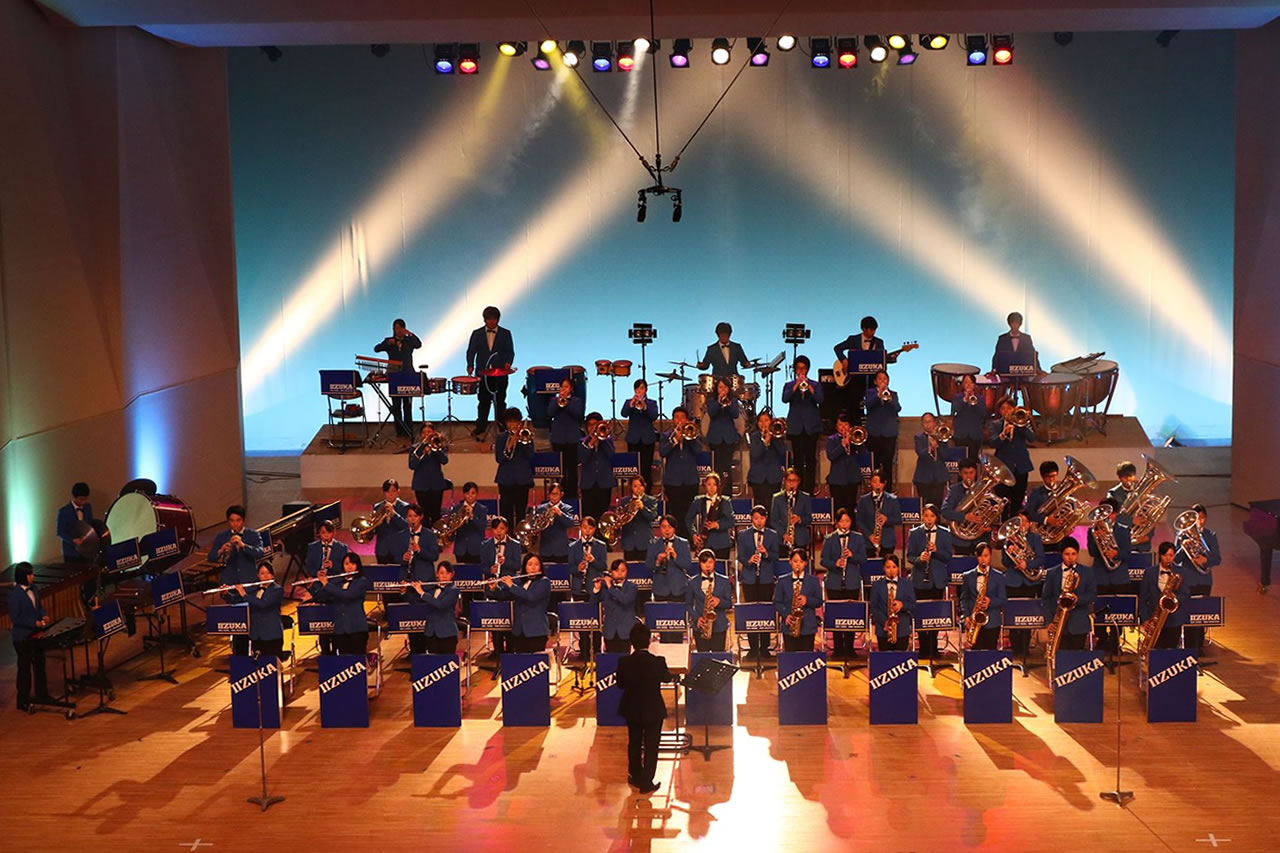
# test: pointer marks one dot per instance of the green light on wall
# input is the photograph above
(22, 500)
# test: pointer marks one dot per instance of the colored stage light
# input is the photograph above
(975, 47)
(602, 56)
(935, 41)
(542, 62)
(786, 42)
(759, 54)
(1002, 49)
(720, 51)
(898, 41)
(446, 54)
(512, 48)
(847, 52)
(548, 46)
(680, 53)
(573, 52)
(906, 55)
(468, 58)
(642, 45)
(820, 52)
(875, 48)
(626, 55)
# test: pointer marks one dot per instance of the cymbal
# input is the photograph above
(683, 364)
(670, 377)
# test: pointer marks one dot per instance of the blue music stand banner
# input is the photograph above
(988, 687)
(894, 695)
(935, 615)
(1206, 612)
(713, 710)
(407, 618)
(1023, 613)
(640, 575)
(703, 461)
(227, 619)
(802, 689)
(1139, 562)
(1077, 687)
(384, 577)
(344, 691)
(867, 362)
(251, 679)
(314, 618)
(337, 382)
(407, 383)
(821, 512)
(547, 465)
(952, 456)
(742, 511)
(468, 577)
(1171, 686)
(864, 465)
(872, 570)
(845, 616)
(546, 381)
(491, 616)
(608, 694)
(437, 699)
(160, 545)
(910, 515)
(121, 556)
(526, 686)
(665, 615)
(755, 618)
(626, 465)
(579, 616)
(1118, 611)
(957, 566)
(1010, 363)
(107, 620)
(166, 590)
(558, 575)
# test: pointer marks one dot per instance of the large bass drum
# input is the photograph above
(136, 514)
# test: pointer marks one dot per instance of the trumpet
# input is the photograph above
(943, 434)
(885, 395)
(778, 428)
(687, 431)
(600, 432)
(524, 435)
(433, 443)
(971, 399)
(858, 436)
(1019, 417)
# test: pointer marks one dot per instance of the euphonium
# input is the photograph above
(1062, 512)
(1013, 541)
(983, 500)
(1067, 600)
(1142, 504)
(1188, 537)
(1103, 534)
(978, 618)
(364, 526)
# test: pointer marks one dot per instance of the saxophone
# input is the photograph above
(978, 618)
(797, 611)
(1067, 600)
(877, 529)
(612, 522)
(1150, 630)
(891, 621)
(707, 621)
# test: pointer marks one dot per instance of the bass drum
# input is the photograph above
(137, 514)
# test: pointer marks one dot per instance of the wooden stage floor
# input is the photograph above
(174, 771)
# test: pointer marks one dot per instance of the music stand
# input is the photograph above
(709, 676)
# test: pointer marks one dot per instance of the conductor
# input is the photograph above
(640, 677)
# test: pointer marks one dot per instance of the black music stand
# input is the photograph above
(709, 676)
(265, 800)
(159, 621)
(106, 691)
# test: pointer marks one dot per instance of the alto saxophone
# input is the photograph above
(707, 621)
(891, 622)
(978, 618)
(797, 611)
(1150, 630)
(1067, 600)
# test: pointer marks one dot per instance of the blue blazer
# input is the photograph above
(811, 589)
(619, 604)
(566, 420)
(1149, 595)
(681, 468)
(955, 494)
(423, 565)
(878, 605)
(23, 614)
(347, 597)
(995, 591)
(392, 536)
(669, 581)
(441, 621)
(967, 419)
(554, 541)
(714, 359)
(851, 577)
(1086, 592)
(804, 410)
(747, 572)
(401, 350)
(700, 509)
(1013, 451)
(579, 584)
(69, 527)
(767, 460)
(1013, 576)
(882, 417)
(479, 356)
(697, 600)
(470, 536)
(803, 508)
(1035, 498)
(1004, 343)
(511, 556)
(531, 597)
(640, 429)
(723, 428)
(1197, 577)
(865, 518)
(637, 532)
(428, 473)
(844, 469)
(597, 465)
(315, 557)
(516, 471)
(934, 574)
(1120, 574)
(929, 469)
(242, 563)
(264, 613)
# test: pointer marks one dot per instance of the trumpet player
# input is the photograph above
(1016, 582)
(957, 494)
(514, 476)
(882, 425)
(1200, 569)
(427, 459)
(669, 560)
(637, 532)
(891, 595)
(1010, 442)
(968, 415)
(767, 451)
(791, 513)
(567, 417)
(238, 548)
(642, 414)
(1076, 629)
(617, 597)
(722, 430)
(680, 473)
(996, 595)
(931, 474)
(843, 553)
(1155, 580)
(845, 474)
(929, 549)
(596, 455)
(878, 517)
(469, 537)
(711, 518)
(1127, 475)
(391, 536)
(588, 561)
(440, 635)
(757, 564)
(803, 397)
(714, 587)
(785, 601)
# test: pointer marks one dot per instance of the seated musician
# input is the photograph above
(757, 564)
(467, 540)
(724, 356)
(722, 431)
(390, 538)
(891, 594)
(843, 553)
(266, 631)
(531, 596)
(399, 347)
(440, 635)
(346, 595)
(1010, 443)
(1199, 570)
(637, 532)
(26, 614)
(768, 457)
(931, 476)
(500, 555)
(429, 481)
(567, 417)
(490, 347)
(1155, 581)
(791, 514)
(878, 516)
(553, 544)
(680, 474)
(803, 397)
(641, 414)
(1127, 474)
(708, 583)
(882, 408)
(669, 559)
(845, 474)
(1076, 630)
(596, 456)
(929, 550)
(1016, 580)
(968, 417)
(238, 549)
(419, 558)
(75, 521)
(957, 494)
(809, 599)
(1037, 497)
(514, 476)
(617, 597)
(988, 636)
(588, 560)
(1014, 340)
(710, 517)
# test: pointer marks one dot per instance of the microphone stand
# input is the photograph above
(1119, 797)
(265, 801)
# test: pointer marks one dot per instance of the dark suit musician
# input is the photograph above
(882, 426)
(931, 475)
(710, 518)
(324, 555)
(514, 477)
(705, 583)
(809, 600)
(1015, 340)
(1010, 443)
(531, 597)
(680, 474)
(865, 341)
(845, 474)
(929, 549)
(429, 482)
(637, 532)
(843, 553)
(567, 413)
(617, 597)
(596, 455)
(75, 519)
(26, 614)
(466, 542)
(968, 417)
(239, 549)
(1076, 630)
(757, 564)
(490, 348)
(768, 457)
(989, 635)
(803, 397)
(440, 635)
(391, 536)
(640, 678)
(791, 514)
(879, 505)
(724, 356)
(1154, 581)
(399, 347)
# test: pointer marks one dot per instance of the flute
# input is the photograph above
(230, 587)
(306, 581)
(407, 584)
(494, 580)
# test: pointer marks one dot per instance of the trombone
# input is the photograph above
(600, 432)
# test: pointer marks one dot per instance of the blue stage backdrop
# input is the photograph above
(1089, 187)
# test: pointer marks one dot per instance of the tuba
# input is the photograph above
(1150, 630)
(983, 500)
(1012, 539)
(1143, 505)
(364, 526)
(1062, 512)
(448, 526)
(1188, 537)
(1067, 600)
(978, 618)
(1103, 534)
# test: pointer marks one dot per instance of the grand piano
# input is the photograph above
(1263, 525)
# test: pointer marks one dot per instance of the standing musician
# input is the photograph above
(680, 475)
(514, 477)
(1127, 474)
(350, 625)
(637, 532)
(640, 678)
(490, 348)
(419, 557)
(879, 508)
(399, 347)
(931, 475)
(710, 518)
(890, 594)
(429, 481)
(1017, 584)
(1010, 443)
(1154, 581)
(440, 635)
(669, 560)
(1199, 571)
(266, 631)
(882, 425)
(808, 601)
(617, 595)
(322, 555)
(1111, 567)
(75, 520)
(588, 560)
(804, 421)
(26, 614)
(553, 543)
(968, 417)
(929, 549)
(988, 635)
(843, 553)
(1015, 340)
(757, 564)
(597, 467)
(1036, 497)
(641, 414)
(865, 342)
(501, 554)
(390, 539)
(722, 431)
(238, 548)
(469, 537)
(1076, 630)
(768, 455)
(566, 412)
(708, 583)
(957, 494)
(845, 474)
(791, 514)
(724, 356)
(531, 597)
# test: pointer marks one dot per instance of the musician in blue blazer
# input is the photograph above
(429, 482)
(500, 553)
(346, 595)
(637, 532)
(641, 414)
(892, 588)
(707, 581)
(724, 356)
(1078, 621)
(553, 543)
(531, 597)
(931, 476)
(72, 518)
(567, 412)
(399, 347)
(968, 417)
(617, 595)
(803, 397)
(1037, 496)
(722, 430)
(757, 565)
(596, 456)
(956, 495)
(792, 507)
(266, 630)
(710, 517)
(810, 600)
(391, 536)
(768, 457)
(470, 536)
(1200, 569)
(670, 561)
(1015, 340)
(514, 476)
(26, 615)
(879, 503)
(843, 553)
(241, 549)
(882, 426)
(1111, 567)
(1010, 443)
(490, 347)
(680, 474)
(440, 635)
(845, 474)
(988, 636)
(1154, 581)
(1016, 582)
(588, 559)
(929, 549)
(419, 558)
(325, 552)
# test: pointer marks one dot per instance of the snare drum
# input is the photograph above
(467, 386)
(574, 370)
(993, 389)
(706, 383)
(622, 367)
(136, 514)
(750, 392)
(437, 385)
(604, 367)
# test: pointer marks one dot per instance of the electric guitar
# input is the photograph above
(840, 370)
